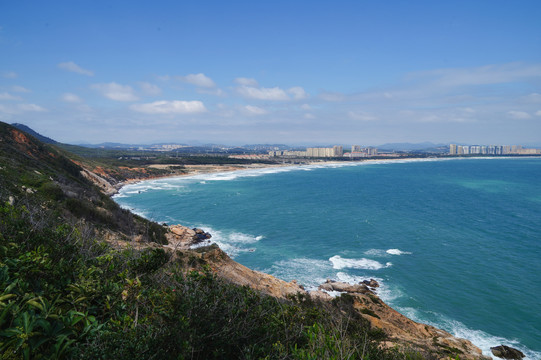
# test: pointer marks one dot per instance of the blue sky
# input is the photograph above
(295, 72)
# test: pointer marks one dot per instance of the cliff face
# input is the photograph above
(400, 331)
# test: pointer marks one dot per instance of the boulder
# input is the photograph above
(178, 230)
(372, 283)
(506, 352)
(331, 285)
(321, 295)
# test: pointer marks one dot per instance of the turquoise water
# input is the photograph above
(454, 243)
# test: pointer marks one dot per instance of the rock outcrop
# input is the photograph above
(106, 185)
(231, 270)
(506, 352)
(182, 237)
(371, 283)
(331, 285)
(401, 331)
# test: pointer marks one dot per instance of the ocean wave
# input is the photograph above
(339, 263)
(148, 185)
(479, 338)
(397, 252)
(232, 175)
(232, 242)
(177, 182)
(385, 253)
(309, 272)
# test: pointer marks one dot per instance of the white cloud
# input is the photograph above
(31, 107)
(170, 107)
(274, 93)
(73, 67)
(150, 89)
(8, 96)
(362, 116)
(71, 98)
(21, 108)
(519, 115)
(20, 89)
(489, 74)
(298, 93)
(253, 110)
(199, 80)
(306, 107)
(538, 113)
(116, 91)
(9, 74)
(246, 81)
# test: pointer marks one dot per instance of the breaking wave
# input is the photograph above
(479, 338)
(339, 263)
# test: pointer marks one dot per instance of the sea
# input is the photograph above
(454, 243)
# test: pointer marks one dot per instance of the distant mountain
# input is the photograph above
(424, 146)
(35, 134)
(109, 145)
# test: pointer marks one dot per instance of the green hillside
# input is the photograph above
(66, 293)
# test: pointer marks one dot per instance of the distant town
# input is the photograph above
(338, 152)
(491, 150)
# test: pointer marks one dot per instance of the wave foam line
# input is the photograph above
(479, 338)
(339, 263)
(231, 242)
(397, 252)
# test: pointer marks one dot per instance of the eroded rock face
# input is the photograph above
(182, 237)
(331, 285)
(401, 331)
(239, 274)
(506, 352)
(371, 283)
(404, 332)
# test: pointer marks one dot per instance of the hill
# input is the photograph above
(38, 136)
(81, 278)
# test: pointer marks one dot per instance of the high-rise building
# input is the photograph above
(452, 149)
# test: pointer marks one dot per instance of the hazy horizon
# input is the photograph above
(350, 72)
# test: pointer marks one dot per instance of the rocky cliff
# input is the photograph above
(400, 331)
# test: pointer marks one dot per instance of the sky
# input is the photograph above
(288, 72)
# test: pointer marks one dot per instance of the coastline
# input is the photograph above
(319, 164)
(195, 170)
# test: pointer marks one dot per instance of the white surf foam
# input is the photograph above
(479, 338)
(385, 253)
(397, 252)
(232, 242)
(339, 263)
(308, 272)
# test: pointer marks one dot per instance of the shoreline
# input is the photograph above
(195, 170)
(202, 170)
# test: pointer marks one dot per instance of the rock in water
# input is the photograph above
(506, 352)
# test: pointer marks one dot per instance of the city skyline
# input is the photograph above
(282, 72)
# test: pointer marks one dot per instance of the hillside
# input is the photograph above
(81, 278)
(26, 129)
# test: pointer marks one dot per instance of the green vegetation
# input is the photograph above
(67, 294)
